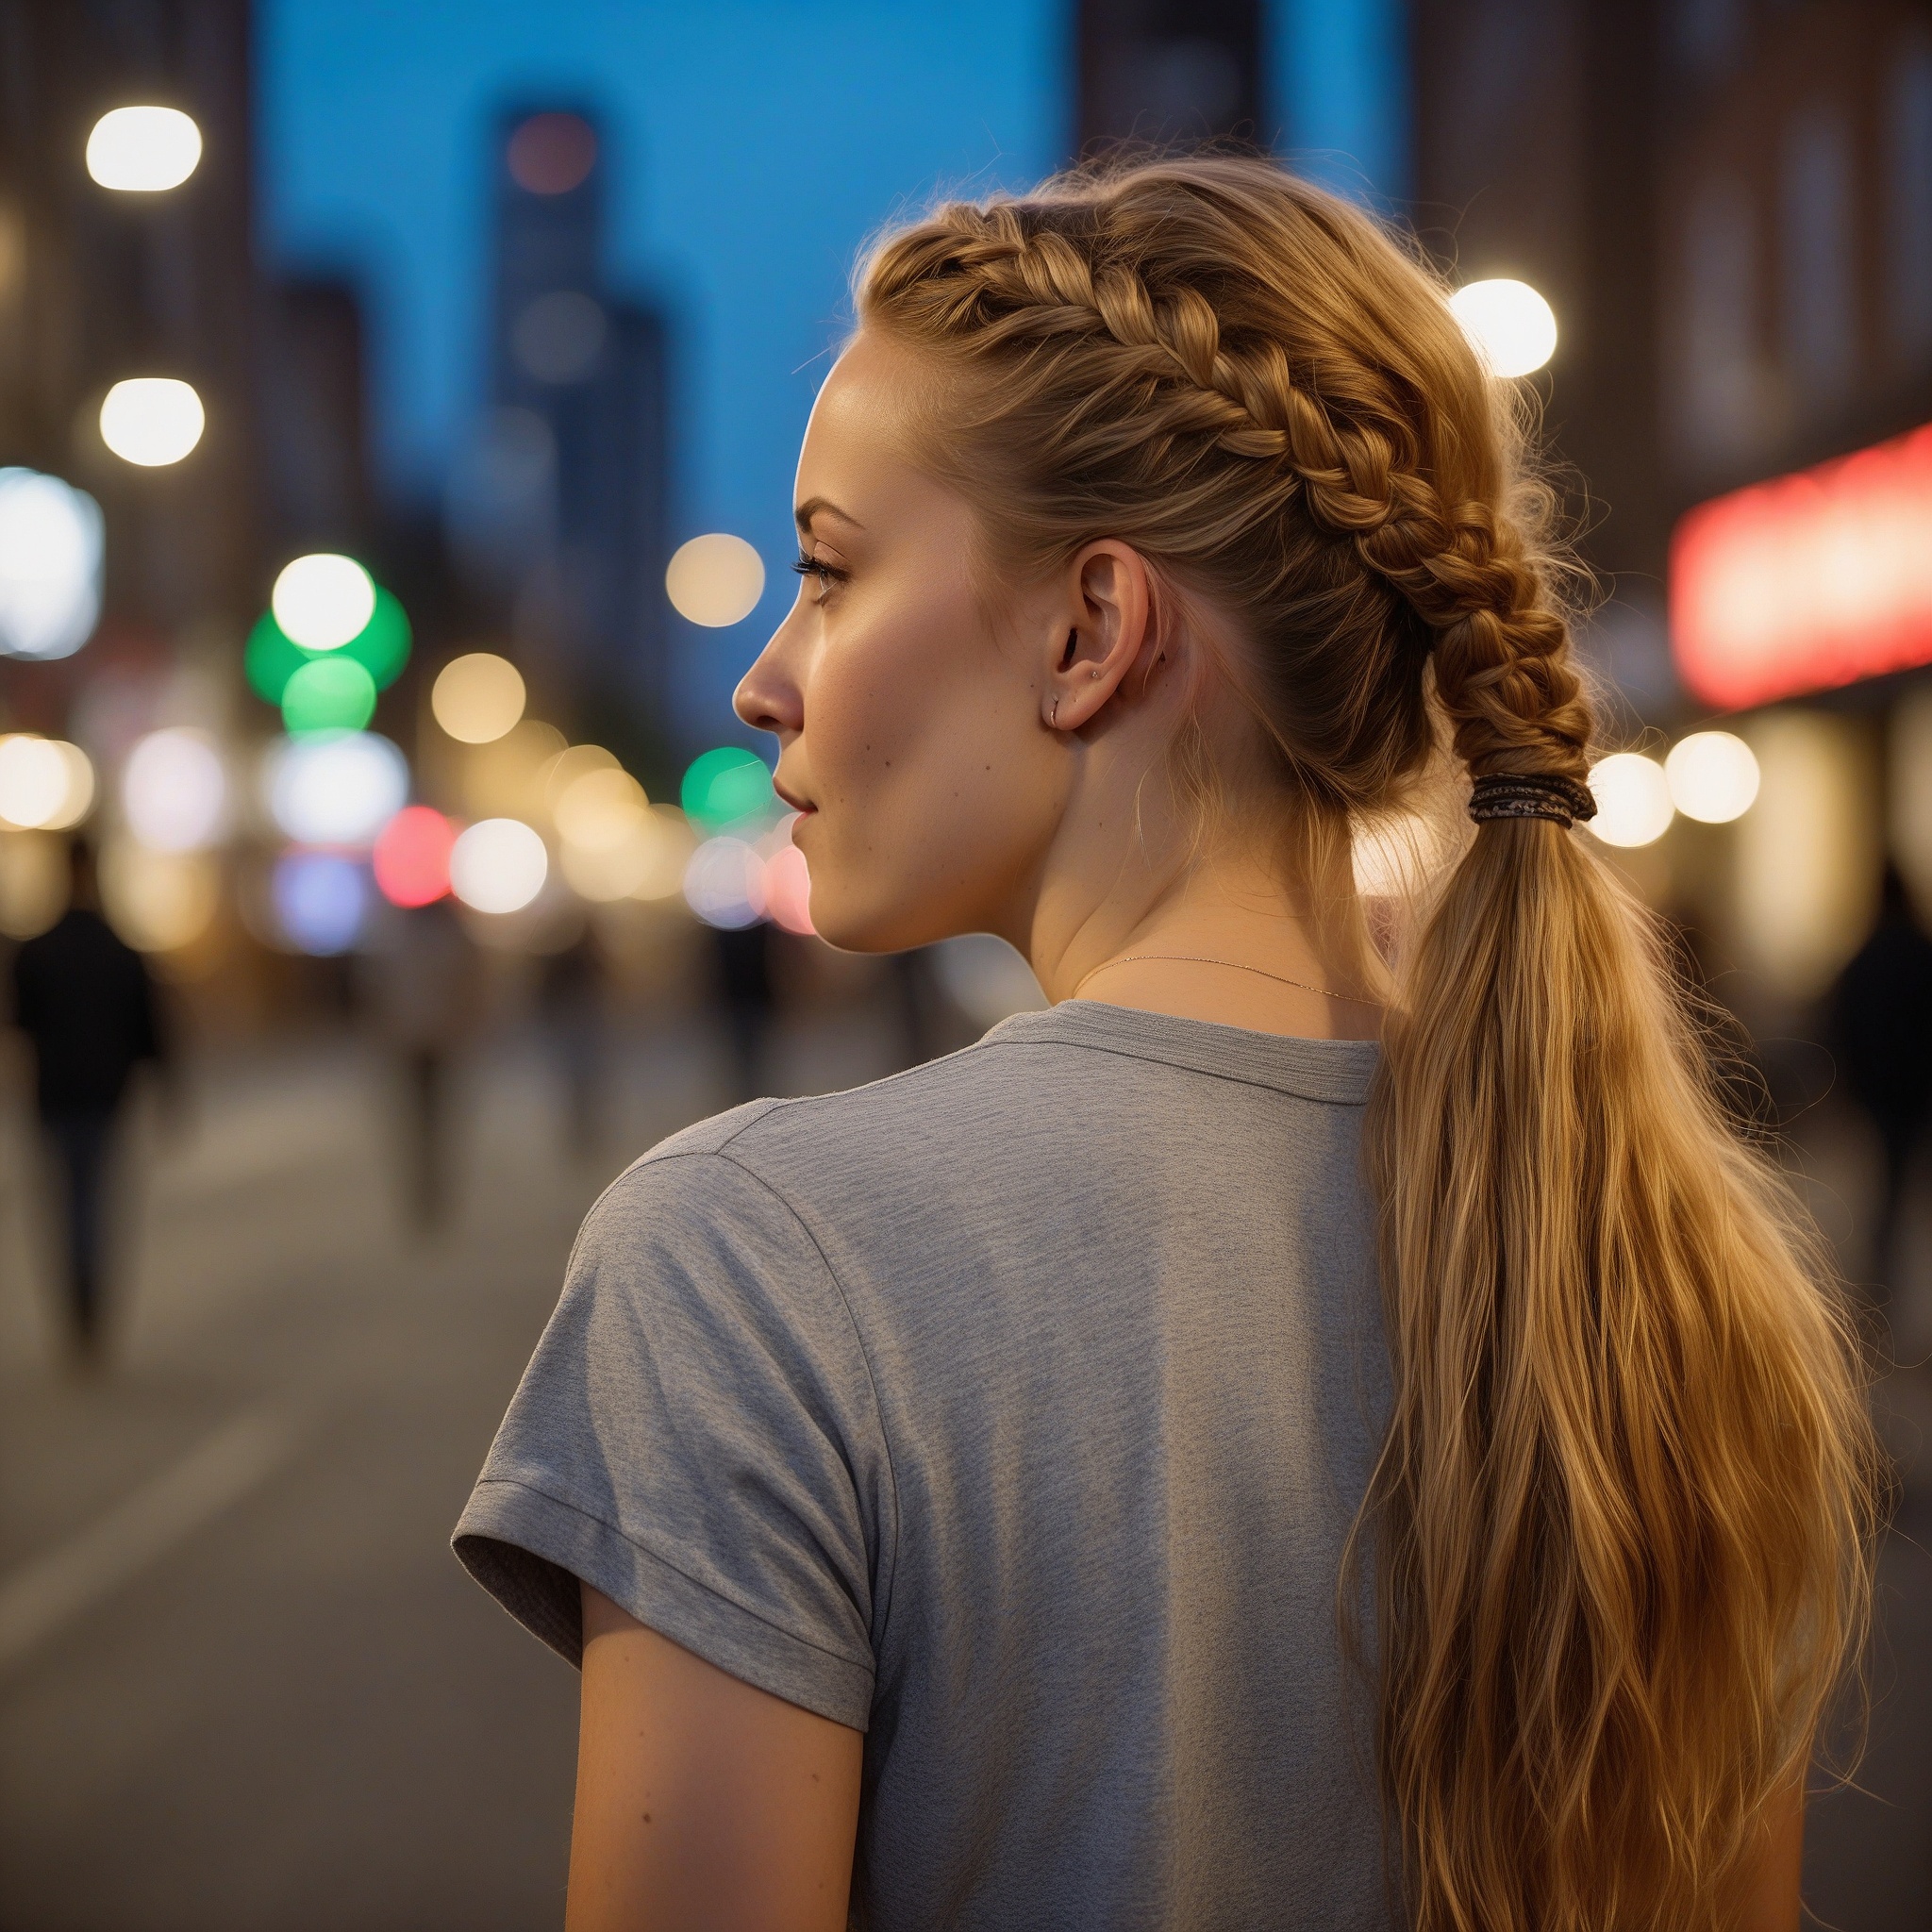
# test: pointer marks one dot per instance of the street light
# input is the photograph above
(50, 565)
(1512, 327)
(323, 601)
(152, 420)
(143, 150)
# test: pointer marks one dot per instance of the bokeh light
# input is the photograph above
(505, 778)
(157, 901)
(143, 150)
(724, 883)
(321, 901)
(411, 856)
(175, 790)
(333, 694)
(727, 787)
(1513, 328)
(498, 865)
(50, 565)
(1713, 777)
(478, 697)
(336, 791)
(36, 881)
(322, 600)
(1633, 799)
(787, 890)
(600, 810)
(665, 848)
(551, 153)
(715, 581)
(152, 420)
(45, 784)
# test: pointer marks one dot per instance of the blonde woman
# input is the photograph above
(1324, 1427)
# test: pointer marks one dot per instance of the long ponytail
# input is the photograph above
(1619, 1532)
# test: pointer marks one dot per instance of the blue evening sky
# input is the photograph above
(752, 146)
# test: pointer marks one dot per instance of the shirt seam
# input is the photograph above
(869, 1665)
(1186, 1066)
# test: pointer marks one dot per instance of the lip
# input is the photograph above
(801, 806)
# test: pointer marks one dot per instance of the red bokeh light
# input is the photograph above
(787, 890)
(411, 856)
(1809, 581)
(551, 153)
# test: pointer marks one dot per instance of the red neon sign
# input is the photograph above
(1807, 582)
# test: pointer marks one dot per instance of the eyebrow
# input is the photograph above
(812, 506)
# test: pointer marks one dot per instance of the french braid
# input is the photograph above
(1620, 1526)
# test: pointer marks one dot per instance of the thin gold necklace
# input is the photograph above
(1233, 966)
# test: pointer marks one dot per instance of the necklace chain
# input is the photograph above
(1233, 966)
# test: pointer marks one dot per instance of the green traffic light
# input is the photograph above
(331, 692)
(381, 648)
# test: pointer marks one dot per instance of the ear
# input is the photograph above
(1106, 623)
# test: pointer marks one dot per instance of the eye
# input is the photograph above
(825, 574)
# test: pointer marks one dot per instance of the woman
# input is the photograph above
(1181, 1462)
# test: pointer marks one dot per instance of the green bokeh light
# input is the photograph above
(270, 659)
(381, 647)
(727, 785)
(332, 691)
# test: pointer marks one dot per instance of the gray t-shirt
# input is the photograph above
(1013, 1411)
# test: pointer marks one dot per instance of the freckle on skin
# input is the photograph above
(647, 1818)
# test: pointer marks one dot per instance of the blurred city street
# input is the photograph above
(242, 1682)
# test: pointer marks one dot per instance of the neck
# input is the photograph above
(1143, 940)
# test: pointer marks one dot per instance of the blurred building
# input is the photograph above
(96, 286)
(1728, 204)
(1163, 71)
(561, 511)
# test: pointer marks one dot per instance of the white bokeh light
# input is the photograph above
(152, 420)
(50, 565)
(1713, 777)
(724, 883)
(45, 784)
(143, 150)
(498, 865)
(1633, 799)
(322, 600)
(1513, 328)
(715, 581)
(175, 790)
(340, 791)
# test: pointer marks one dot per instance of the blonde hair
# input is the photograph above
(1620, 1528)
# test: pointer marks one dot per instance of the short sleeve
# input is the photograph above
(696, 1438)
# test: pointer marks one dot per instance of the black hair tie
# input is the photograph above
(1545, 795)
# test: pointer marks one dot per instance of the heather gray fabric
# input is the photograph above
(1013, 1410)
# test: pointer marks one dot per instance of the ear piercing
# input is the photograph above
(1097, 670)
(1053, 717)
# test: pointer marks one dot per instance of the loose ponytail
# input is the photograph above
(1618, 1533)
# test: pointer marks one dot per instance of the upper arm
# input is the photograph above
(702, 1803)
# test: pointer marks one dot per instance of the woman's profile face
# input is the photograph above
(910, 720)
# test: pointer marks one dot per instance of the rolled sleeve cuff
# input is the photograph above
(529, 1549)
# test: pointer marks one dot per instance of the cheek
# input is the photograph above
(927, 765)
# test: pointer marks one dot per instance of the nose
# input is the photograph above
(768, 697)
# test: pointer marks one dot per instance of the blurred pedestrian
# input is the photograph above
(743, 956)
(572, 998)
(1881, 1025)
(418, 981)
(85, 1000)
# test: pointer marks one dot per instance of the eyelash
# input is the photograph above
(826, 574)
